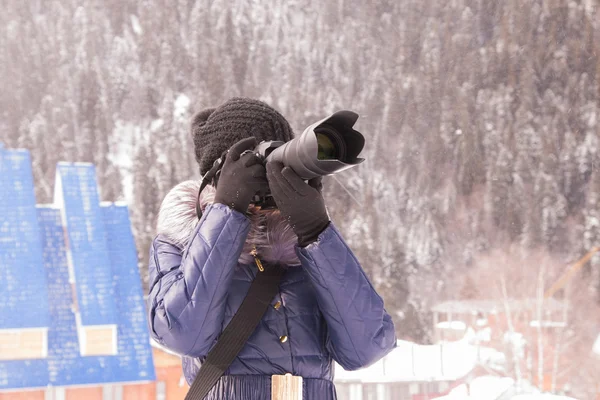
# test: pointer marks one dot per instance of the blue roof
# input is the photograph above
(23, 294)
(23, 374)
(76, 183)
(135, 353)
(64, 365)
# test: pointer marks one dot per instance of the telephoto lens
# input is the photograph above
(324, 148)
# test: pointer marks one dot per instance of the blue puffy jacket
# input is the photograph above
(326, 309)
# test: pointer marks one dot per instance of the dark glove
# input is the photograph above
(299, 202)
(242, 176)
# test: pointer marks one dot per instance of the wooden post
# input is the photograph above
(286, 387)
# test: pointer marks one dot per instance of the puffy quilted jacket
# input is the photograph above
(326, 309)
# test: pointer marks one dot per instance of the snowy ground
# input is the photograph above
(447, 362)
(495, 388)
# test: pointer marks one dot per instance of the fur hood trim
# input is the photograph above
(270, 233)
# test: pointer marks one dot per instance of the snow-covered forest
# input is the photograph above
(482, 176)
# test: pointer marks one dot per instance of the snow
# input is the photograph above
(472, 307)
(589, 6)
(122, 153)
(596, 348)
(494, 388)
(182, 105)
(484, 335)
(135, 25)
(481, 388)
(492, 358)
(548, 324)
(156, 124)
(410, 362)
(119, 203)
(541, 396)
(515, 338)
(453, 325)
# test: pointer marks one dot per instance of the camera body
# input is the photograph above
(324, 148)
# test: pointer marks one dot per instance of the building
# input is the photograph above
(414, 372)
(72, 316)
(520, 328)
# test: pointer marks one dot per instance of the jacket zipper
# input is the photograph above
(254, 253)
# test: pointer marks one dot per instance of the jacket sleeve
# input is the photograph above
(360, 330)
(188, 290)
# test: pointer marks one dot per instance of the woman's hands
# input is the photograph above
(242, 176)
(299, 202)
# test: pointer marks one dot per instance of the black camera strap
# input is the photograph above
(208, 178)
(233, 338)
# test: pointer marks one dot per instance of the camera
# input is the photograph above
(324, 148)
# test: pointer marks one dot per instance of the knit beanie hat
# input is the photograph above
(215, 130)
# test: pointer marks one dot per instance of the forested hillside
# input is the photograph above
(481, 117)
